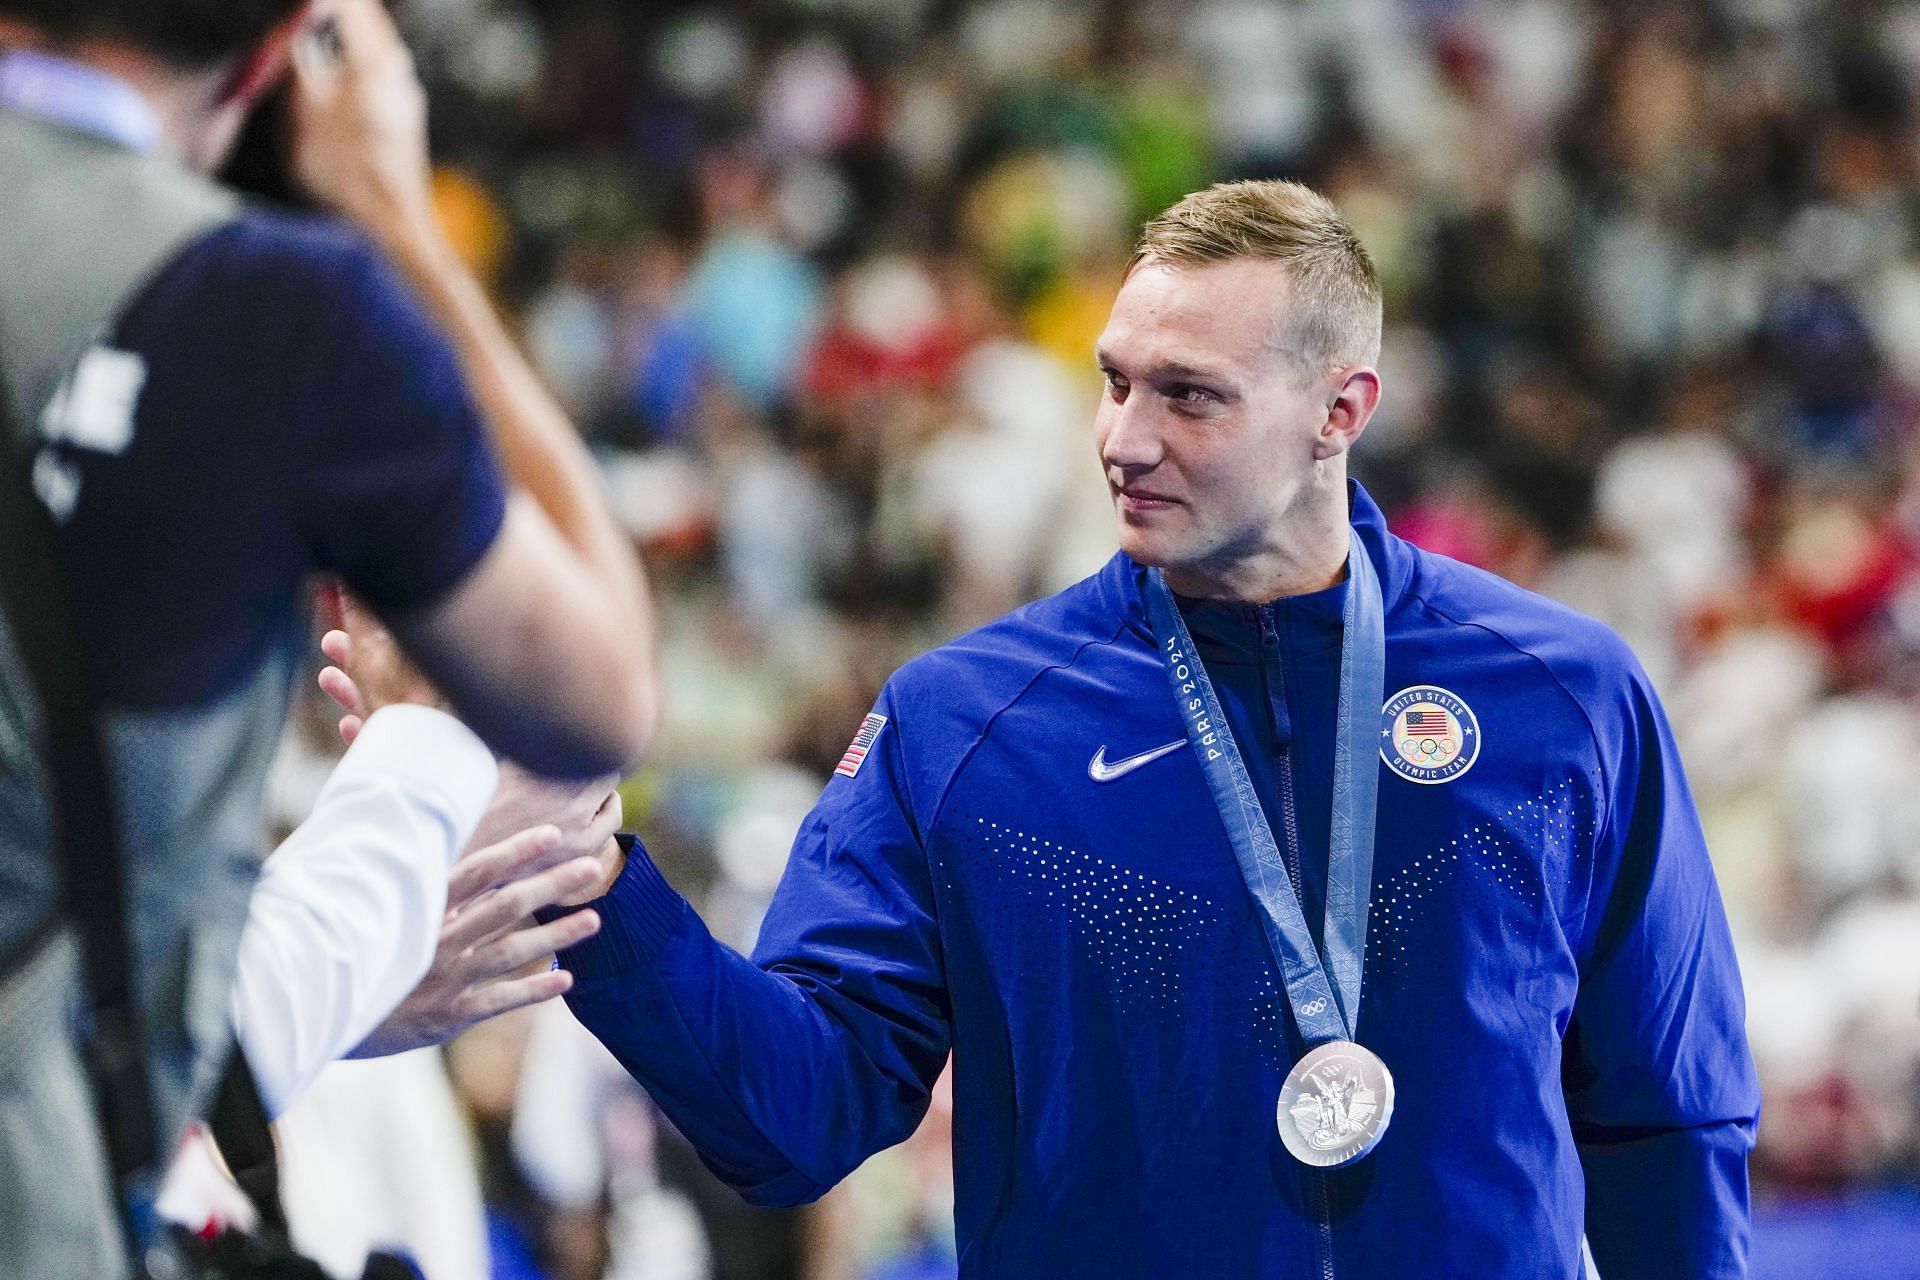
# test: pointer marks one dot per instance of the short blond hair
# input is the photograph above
(1335, 318)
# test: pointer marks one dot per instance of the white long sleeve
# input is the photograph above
(347, 913)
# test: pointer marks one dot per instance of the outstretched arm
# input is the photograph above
(539, 844)
(788, 1070)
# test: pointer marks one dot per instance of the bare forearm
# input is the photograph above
(546, 647)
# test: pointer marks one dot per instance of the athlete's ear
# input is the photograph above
(1355, 395)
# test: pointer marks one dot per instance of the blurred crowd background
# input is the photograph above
(820, 280)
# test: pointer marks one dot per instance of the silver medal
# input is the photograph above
(1335, 1104)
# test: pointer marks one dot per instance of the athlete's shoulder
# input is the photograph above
(1584, 655)
(939, 707)
(989, 667)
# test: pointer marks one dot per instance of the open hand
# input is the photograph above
(369, 672)
(492, 957)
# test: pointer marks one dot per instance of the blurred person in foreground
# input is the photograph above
(363, 904)
(417, 869)
(1293, 901)
(220, 400)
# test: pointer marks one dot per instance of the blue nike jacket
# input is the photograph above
(1019, 860)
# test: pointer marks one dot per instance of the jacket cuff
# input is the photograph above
(637, 916)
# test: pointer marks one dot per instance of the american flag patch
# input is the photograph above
(1427, 722)
(862, 743)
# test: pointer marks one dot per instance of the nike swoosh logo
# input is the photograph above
(1100, 771)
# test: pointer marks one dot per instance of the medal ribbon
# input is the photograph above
(1323, 991)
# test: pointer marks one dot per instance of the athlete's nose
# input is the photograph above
(1130, 442)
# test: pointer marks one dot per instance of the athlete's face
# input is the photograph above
(1211, 431)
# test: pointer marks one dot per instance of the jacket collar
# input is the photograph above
(1123, 581)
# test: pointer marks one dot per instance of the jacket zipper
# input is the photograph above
(1290, 828)
(1289, 820)
(1320, 1179)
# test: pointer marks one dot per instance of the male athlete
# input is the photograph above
(1293, 902)
(217, 401)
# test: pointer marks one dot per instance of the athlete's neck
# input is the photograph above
(1306, 552)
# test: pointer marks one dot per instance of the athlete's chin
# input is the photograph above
(1152, 547)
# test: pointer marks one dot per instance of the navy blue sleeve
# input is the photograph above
(787, 1071)
(398, 489)
(1660, 1087)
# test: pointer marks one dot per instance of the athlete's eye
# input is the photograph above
(1186, 395)
(1116, 385)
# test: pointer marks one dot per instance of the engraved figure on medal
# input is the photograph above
(1335, 1105)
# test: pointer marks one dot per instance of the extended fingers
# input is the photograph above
(506, 954)
(491, 913)
(338, 646)
(338, 685)
(496, 998)
(498, 863)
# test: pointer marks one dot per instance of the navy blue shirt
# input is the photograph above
(299, 412)
(269, 402)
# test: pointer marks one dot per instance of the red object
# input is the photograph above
(1840, 609)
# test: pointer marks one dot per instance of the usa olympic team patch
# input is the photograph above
(1428, 735)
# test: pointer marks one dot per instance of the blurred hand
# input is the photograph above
(360, 123)
(492, 958)
(370, 672)
(587, 813)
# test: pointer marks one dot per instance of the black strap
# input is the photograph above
(86, 833)
(244, 1133)
(87, 858)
